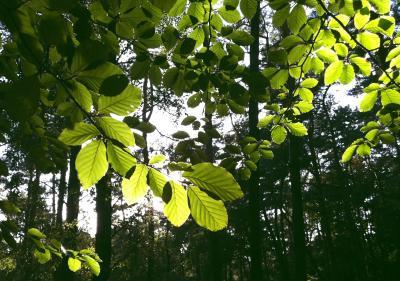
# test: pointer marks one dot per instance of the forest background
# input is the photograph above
(199, 140)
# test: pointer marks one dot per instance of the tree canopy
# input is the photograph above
(82, 83)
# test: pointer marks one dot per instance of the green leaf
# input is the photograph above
(393, 53)
(309, 83)
(43, 255)
(333, 72)
(327, 55)
(74, 264)
(361, 18)
(156, 181)
(230, 16)
(297, 129)
(348, 153)
(36, 233)
(187, 46)
(197, 35)
(368, 101)
(206, 211)
(155, 75)
(303, 107)
(135, 188)
(363, 150)
(297, 18)
(278, 134)
(265, 121)
(170, 37)
(159, 158)
(248, 8)
(341, 49)
(279, 79)
(296, 54)
(116, 130)
(177, 210)
(174, 79)
(121, 160)
(390, 96)
(123, 104)
(280, 16)
(369, 40)
(91, 163)
(178, 8)
(92, 264)
(188, 120)
(82, 96)
(181, 135)
(214, 179)
(241, 37)
(113, 85)
(81, 133)
(305, 94)
(93, 78)
(382, 6)
(347, 75)
(364, 65)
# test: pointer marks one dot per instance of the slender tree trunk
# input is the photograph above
(299, 243)
(215, 263)
(146, 114)
(253, 185)
(33, 199)
(322, 204)
(53, 199)
(103, 233)
(355, 241)
(71, 229)
(60, 200)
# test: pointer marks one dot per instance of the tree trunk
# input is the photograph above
(322, 205)
(32, 204)
(60, 199)
(214, 263)
(71, 230)
(103, 233)
(253, 185)
(299, 243)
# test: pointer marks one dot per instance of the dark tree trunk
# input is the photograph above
(146, 115)
(71, 230)
(299, 243)
(253, 185)
(214, 241)
(322, 205)
(60, 200)
(33, 198)
(103, 233)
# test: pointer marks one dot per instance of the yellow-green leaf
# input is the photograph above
(135, 188)
(347, 75)
(121, 160)
(156, 181)
(297, 129)
(297, 18)
(278, 134)
(177, 210)
(333, 72)
(123, 104)
(206, 211)
(214, 179)
(369, 40)
(368, 101)
(74, 264)
(116, 130)
(81, 133)
(91, 163)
